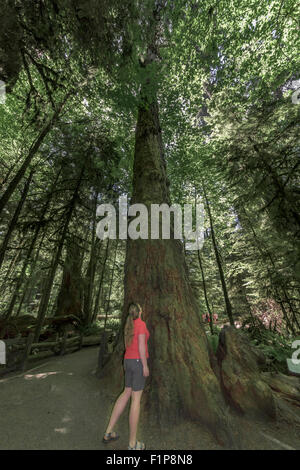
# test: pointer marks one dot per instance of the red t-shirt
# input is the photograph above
(139, 328)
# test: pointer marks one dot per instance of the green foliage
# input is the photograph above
(277, 348)
(89, 330)
(213, 341)
(97, 327)
(113, 324)
(222, 74)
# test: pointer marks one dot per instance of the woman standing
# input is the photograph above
(136, 336)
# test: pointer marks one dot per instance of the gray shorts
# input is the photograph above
(134, 374)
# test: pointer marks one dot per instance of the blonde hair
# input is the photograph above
(133, 313)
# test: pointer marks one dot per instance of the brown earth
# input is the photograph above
(59, 404)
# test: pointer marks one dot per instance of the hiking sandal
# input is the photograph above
(110, 437)
(138, 446)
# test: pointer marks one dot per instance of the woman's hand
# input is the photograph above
(145, 371)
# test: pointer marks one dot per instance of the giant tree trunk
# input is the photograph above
(182, 382)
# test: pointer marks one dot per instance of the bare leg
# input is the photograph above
(134, 415)
(119, 408)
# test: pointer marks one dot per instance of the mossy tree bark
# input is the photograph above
(182, 382)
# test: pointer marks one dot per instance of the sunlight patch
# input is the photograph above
(61, 430)
(39, 376)
(66, 419)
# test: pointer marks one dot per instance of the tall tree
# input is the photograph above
(156, 277)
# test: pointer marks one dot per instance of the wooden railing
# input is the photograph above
(20, 351)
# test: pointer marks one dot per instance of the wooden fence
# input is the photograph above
(20, 351)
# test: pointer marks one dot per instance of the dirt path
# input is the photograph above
(59, 404)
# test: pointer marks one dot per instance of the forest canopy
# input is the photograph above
(214, 87)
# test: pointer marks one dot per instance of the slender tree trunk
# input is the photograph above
(28, 256)
(20, 280)
(31, 153)
(219, 264)
(181, 382)
(3, 182)
(48, 286)
(28, 288)
(287, 300)
(258, 244)
(89, 284)
(110, 285)
(10, 268)
(97, 299)
(85, 245)
(15, 218)
(98, 244)
(103, 344)
(293, 221)
(204, 285)
(90, 275)
(205, 293)
(69, 299)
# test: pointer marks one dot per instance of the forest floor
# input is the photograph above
(58, 404)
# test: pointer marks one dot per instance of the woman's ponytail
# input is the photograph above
(133, 313)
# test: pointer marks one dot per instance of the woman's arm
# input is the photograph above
(142, 351)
